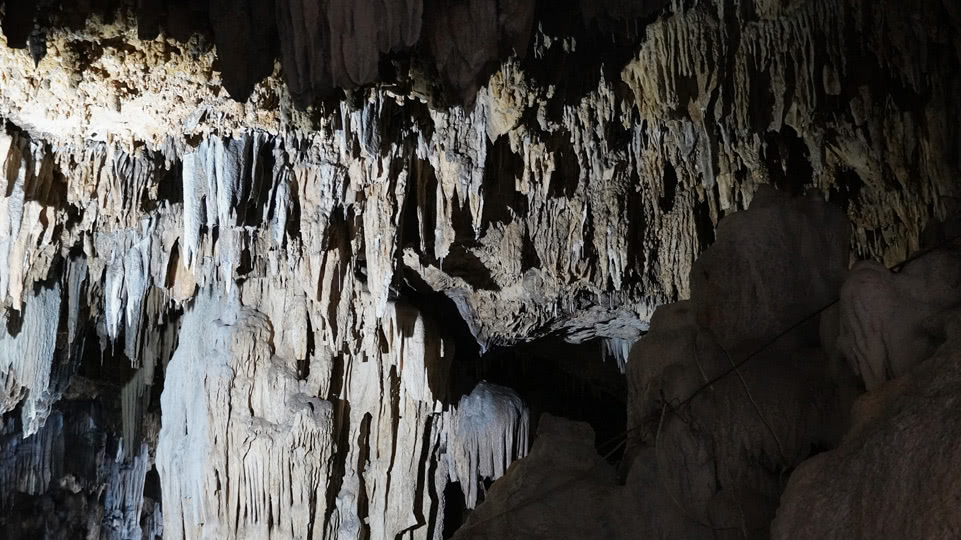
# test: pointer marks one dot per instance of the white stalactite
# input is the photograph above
(488, 431)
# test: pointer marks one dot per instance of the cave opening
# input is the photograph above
(455, 511)
(577, 381)
(572, 380)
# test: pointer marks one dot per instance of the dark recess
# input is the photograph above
(574, 381)
(606, 34)
(670, 188)
(502, 201)
(567, 173)
(846, 190)
(788, 161)
(455, 511)
(552, 376)
(703, 224)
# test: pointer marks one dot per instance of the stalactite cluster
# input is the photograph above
(250, 251)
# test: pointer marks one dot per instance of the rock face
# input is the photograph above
(793, 252)
(727, 401)
(562, 487)
(247, 249)
(892, 322)
(720, 443)
(238, 425)
(895, 472)
(719, 411)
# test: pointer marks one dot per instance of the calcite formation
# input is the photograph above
(247, 249)
(738, 431)
(895, 470)
(890, 323)
(476, 454)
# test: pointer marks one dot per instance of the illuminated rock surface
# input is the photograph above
(289, 269)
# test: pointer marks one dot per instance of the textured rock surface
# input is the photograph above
(896, 472)
(724, 436)
(242, 445)
(892, 322)
(564, 489)
(793, 252)
(323, 267)
(488, 431)
(713, 436)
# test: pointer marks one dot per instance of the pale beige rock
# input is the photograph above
(242, 445)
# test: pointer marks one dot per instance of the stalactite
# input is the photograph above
(489, 430)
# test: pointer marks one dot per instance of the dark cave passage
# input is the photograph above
(455, 512)
(574, 381)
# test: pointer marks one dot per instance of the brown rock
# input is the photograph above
(896, 473)
(890, 322)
